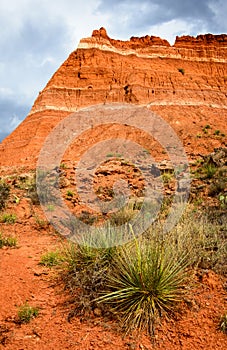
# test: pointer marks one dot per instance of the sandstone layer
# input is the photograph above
(186, 84)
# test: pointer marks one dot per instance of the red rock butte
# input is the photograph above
(186, 84)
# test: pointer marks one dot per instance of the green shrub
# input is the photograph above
(181, 70)
(87, 217)
(50, 207)
(167, 177)
(63, 166)
(7, 241)
(26, 313)
(210, 170)
(223, 323)
(4, 194)
(122, 216)
(69, 193)
(32, 193)
(41, 223)
(144, 281)
(140, 280)
(51, 259)
(217, 187)
(8, 218)
(85, 269)
(43, 192)
(223, 200)
(206, 128)
(203, 235)
(206, 171)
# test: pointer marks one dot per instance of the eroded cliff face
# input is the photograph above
(185, 83)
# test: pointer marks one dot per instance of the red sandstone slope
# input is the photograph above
(185, 83)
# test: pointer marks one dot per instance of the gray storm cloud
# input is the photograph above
(143, 13)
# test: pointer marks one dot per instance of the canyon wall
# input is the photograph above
(186, 84)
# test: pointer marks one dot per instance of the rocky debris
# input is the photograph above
(217, 158)
(210, 179)
(165, 165)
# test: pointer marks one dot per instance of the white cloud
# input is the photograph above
(14, 121)
(169, 30)
(6, 92)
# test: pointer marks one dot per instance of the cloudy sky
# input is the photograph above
(38, 35)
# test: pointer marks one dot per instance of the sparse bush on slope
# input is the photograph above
(4, 194)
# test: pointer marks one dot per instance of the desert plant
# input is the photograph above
(81, 256)
(208, 170)
(206, 128)
(7, 241)
(63, 166)
(146, 151)
(41, 223)
(69, 193)
(8, 218)
(4, 194)
(223, 200)
(50, 207)
(85, 268)
(167, 177)
(41, 188)
(203, 236)
(217, 187)
(223, 323)
(122, 216)
(51, 259)
(181, 70)
(87, 217)
(26, 313)
(32, 192)
(16, 199)
(165, 206)
(114, 155)
(145, 280)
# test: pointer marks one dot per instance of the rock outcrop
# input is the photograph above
(185, 83)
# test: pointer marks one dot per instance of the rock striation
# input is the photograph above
(186, 84)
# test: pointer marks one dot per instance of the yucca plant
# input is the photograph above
(145, 281)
